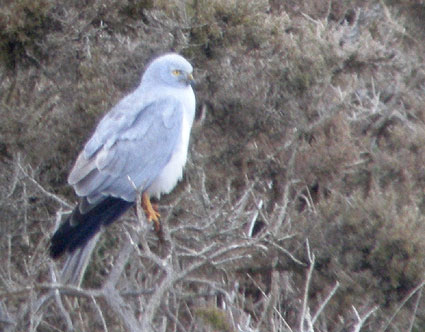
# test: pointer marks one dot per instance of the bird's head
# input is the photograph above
(170, 69)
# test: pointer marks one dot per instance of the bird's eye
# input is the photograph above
(176, 72)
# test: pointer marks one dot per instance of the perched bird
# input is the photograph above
(140, 146)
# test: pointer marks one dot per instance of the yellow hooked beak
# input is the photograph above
(190, 80)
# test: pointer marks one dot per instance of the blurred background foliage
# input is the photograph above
(316, 106)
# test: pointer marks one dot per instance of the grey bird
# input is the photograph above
(140, 146)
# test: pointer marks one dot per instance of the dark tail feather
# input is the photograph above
(79, 228)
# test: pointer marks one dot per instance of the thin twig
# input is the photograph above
(266, 297)
(59, 302)
(99, 311)
(324, 303)
(407, 298)
(311, 259)
(286, 252)
(361, 320)
(64, 289)
(120, 263)
(41, 188)
(415, 311)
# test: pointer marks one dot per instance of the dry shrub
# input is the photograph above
(23, 26)
(306, 167)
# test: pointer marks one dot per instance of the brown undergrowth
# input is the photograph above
(303, 199)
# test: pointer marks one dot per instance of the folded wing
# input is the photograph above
(134, 159)
(116, 168)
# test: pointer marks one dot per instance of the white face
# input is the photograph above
(178, 70)
(182, 76)
(171, 69)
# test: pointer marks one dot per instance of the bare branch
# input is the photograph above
(362, 320)
(118, 305)
(274, 308)
(407, 298)
(99, 311)
(303, 316)
(324, 303)
(41, 188)
(415, 310)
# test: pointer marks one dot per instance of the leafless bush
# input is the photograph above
(302, 206)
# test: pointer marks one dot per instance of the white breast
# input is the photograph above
(173, 171)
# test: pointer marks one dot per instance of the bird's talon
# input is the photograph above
(157, 226)
(151, 211)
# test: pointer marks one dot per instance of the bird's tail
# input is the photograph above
(77, 235)
(76, 263)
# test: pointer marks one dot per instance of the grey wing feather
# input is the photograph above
(138, 154)
(82, 167)
(118, 119)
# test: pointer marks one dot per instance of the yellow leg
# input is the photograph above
(151, 212)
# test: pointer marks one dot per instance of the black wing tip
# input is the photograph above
(84, 226)
(55, 252)
(59, 240)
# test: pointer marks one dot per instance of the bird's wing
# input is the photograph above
(119, 119)
(130, 156)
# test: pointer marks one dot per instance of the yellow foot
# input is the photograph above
(151, 211)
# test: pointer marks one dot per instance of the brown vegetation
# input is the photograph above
(302, 207)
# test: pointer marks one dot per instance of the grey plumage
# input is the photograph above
(107, 171)
(140, 145)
